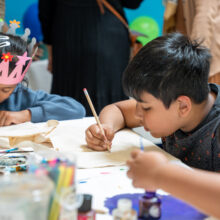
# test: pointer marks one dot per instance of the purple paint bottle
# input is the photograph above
(149, 206)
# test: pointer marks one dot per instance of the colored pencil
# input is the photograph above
(55, 208)
(8, 150)
(4, 152)
(141, 144)
(18, 151)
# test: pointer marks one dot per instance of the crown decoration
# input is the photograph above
(17, 74)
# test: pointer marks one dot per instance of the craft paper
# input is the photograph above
(68, 137)
(34, 132)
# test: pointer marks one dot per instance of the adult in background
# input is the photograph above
(200, 20)
(86, 48)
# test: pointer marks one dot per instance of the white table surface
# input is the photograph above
(103, 182)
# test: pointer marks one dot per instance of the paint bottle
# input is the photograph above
(149, 206)
(124, 210)
(85, 211)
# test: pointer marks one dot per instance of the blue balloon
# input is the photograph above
(31, 20)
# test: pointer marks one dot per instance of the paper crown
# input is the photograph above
(18, 73)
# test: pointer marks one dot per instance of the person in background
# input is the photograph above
(199, 20)
(31, 21)
(19, 104)
(87, 49)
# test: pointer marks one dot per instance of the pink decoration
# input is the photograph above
(16, 76)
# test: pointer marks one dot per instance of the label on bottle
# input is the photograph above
(154, 211)
(128, 215)
(149, 208)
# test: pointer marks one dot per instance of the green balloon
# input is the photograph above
(145, 25)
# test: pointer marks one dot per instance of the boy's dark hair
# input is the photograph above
(168, 67)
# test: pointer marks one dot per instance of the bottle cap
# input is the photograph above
(87, 203)
(149, 195)
(124, 204)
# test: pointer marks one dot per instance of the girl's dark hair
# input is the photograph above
(17, 47)
(168, 67)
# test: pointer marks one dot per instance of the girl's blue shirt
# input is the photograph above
(43, 106)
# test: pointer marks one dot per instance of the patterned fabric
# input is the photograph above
(199, 148)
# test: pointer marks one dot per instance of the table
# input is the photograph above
(101, 179)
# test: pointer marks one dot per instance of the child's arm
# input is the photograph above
(10, 117)
(38, 106)
(198, 188)
(44, 106)
(113, 118)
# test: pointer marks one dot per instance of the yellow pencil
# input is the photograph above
(94, 113)
(55, 208)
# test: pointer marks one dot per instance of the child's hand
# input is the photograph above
(144, 168)
(9, 118)
(96, 140)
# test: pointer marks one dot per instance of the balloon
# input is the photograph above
(145, 25)
(31, 20)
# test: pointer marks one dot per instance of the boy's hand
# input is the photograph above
(9, 118)
(144, 168)
(96, 140)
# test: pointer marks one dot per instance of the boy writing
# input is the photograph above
(168, 80)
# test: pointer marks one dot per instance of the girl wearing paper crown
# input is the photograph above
(19, 104)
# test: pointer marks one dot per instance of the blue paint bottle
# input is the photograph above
(149, 206)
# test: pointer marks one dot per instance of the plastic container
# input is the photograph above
(25, 197)
(124, 210)
(61, 170)
(69, 202)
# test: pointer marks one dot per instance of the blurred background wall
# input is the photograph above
(15, 9)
